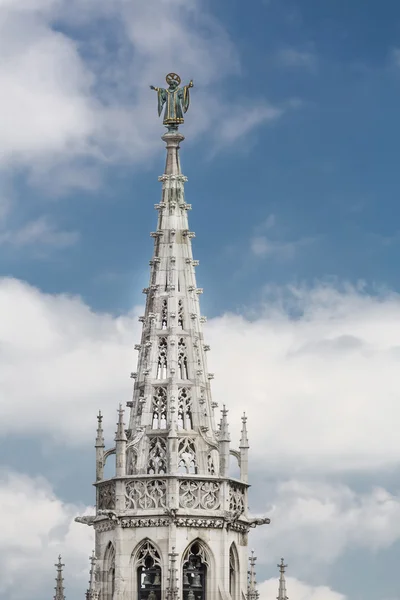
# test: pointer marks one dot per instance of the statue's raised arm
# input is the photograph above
(176, 99)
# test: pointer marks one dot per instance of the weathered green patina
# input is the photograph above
(176, 100)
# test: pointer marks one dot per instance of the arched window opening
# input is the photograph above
(182, 360)
(233, 572)
(157, 464)
(184, 409)
(180, 314)
(164, 314)
(210, 465)
(159, 408)
(187, 462)
(194, 578)
(148, 569)
(162, 358)
(109, 568)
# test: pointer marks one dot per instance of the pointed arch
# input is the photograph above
(197, 571)
(147, 571)
(234, 572)
(109, 572)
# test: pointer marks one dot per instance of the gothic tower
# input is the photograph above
(172, 523)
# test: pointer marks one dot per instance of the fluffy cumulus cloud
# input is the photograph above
(299, 590)
(320, 367)
(316, 522)
(36, 527)
(68, 96)
(316, 369)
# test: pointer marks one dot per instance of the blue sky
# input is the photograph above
(291, 153)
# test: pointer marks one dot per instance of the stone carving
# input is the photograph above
(259, 521)
(162, 358)
(164, 314)
(85, 520)
(127, 523)
(206, 523)
(184, 409)
(157, 464)
(187, 462)
(236, 499)
(106, 496)
(146, 494)
(182, 360)
(199, 494)
(159, 408)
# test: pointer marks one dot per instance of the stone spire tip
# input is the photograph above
(282, 582)
(59, 595)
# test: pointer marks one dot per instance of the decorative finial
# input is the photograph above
(92, 592)
(252, 592)
(120, 435)
(99, 437)
(244, 440)
(224, 427)
(172, 587)
(175, 98)
(282, 583)
(59, 595)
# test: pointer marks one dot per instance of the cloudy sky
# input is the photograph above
(292, 155)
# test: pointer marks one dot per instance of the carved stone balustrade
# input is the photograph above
(106, 495)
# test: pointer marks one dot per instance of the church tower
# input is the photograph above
(171, 523)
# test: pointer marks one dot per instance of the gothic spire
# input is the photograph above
(92, 592)
(171, 426)
(252, 592)
(282, 581)
(59, 595)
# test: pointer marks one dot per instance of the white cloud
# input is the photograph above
(293, 57)
(64, 100)
(244, 119)
(319, 365)
(263, 246)
(36, 527)
(38, 234)
(316, 522)
(298, 590)
(76, 362)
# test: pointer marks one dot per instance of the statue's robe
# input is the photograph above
(177, 103)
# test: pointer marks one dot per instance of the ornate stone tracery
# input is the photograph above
(162, 361)
(184, 409)
(157, 464)
(187, 460)
(199, 494)
(236, 499)
(159, 408)
(146, 494)
(106, 496)
(182, 359)
(148, 568)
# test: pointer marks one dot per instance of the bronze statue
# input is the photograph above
(175, 98)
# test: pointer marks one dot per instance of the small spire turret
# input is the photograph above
(59, 595)
(120, 444)
(244, 451)
(252, 592)
(99, 448)
(224, 443)
(92, 593)
(282, 582)
(172, 588)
